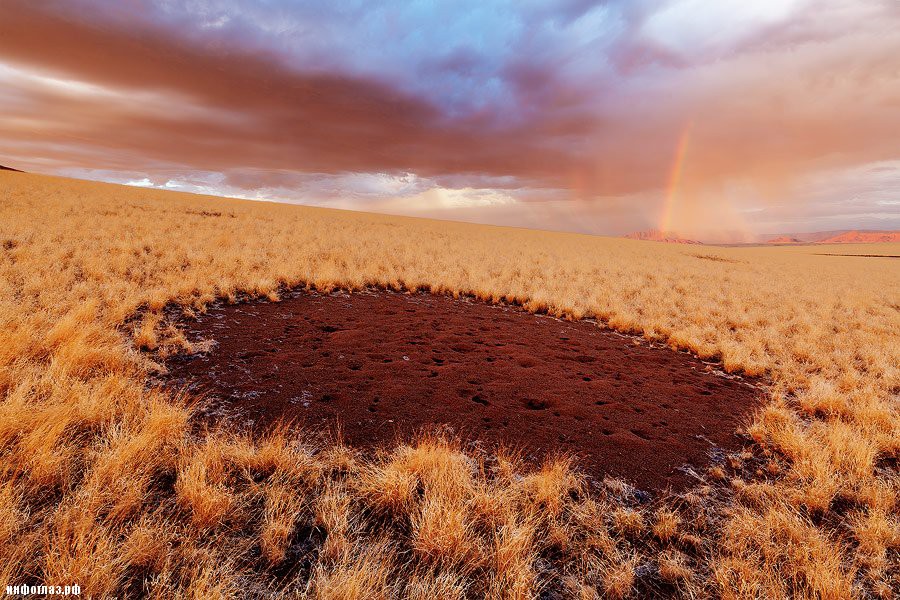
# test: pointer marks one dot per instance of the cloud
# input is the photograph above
(693, 28)
(464, 107)
(280, 118)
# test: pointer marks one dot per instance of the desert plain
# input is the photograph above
(148, 446)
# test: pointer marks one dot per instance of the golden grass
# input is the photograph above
(103, 483)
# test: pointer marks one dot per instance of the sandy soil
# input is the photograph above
(385, 365)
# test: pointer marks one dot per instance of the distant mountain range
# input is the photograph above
(851, 236)
(785, 239)
(843, 236)
(655, 235)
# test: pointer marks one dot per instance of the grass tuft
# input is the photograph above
(107, 482)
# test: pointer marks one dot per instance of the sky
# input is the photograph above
(718, 120)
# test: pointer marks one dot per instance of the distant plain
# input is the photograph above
(104, 481)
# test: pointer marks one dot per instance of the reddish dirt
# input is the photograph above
(386, 365)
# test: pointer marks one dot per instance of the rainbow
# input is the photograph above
(675, 174)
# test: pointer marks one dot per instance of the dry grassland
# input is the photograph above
(104, 483)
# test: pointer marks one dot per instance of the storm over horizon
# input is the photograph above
(712, 119)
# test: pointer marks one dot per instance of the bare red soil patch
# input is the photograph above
(386, 365)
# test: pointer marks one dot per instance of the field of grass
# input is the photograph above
(105, 483)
